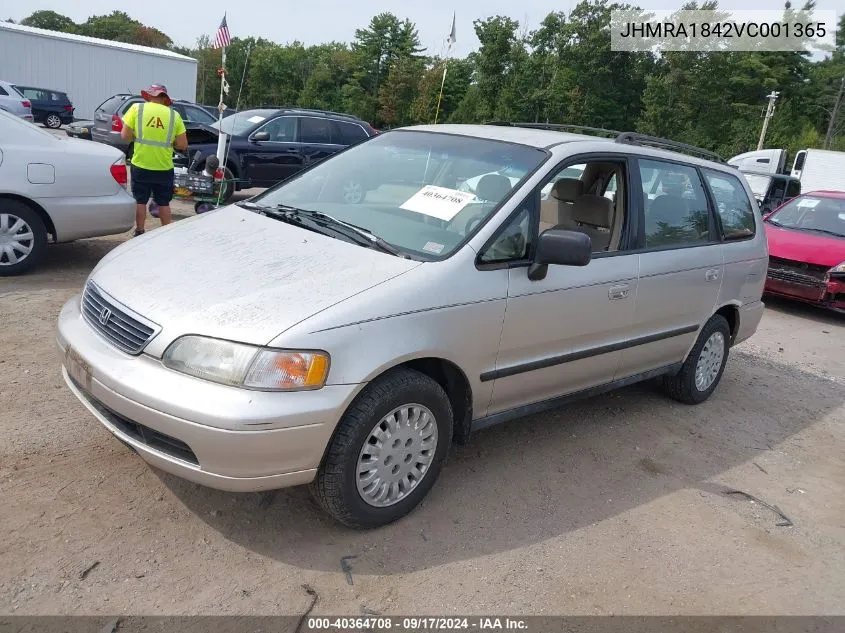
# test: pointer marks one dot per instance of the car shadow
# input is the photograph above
(803, 310)
(534, 479)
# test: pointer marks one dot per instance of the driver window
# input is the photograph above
(587, 198)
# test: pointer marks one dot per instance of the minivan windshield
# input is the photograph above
(424, 193)
(812, 213)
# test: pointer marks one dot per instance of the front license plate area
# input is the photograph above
(77, 368)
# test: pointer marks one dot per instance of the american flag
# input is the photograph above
(222, 39)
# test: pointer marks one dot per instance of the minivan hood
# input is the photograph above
(237, 275)
(805, 246)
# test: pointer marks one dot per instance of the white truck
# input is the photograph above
(763, 161)
(819, 170)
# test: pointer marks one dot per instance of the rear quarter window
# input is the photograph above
(734, 208)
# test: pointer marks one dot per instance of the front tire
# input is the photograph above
(703, 368)
(387, 451)
(23, 238)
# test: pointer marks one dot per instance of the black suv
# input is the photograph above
(268, 145)
(108, 118)
(50, 107)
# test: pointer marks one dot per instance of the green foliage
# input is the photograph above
(561, 72)
(51, 21)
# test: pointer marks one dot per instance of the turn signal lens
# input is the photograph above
(288, 370)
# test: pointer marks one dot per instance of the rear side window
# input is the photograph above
(347, 133)
(313, 130)
(675, 205)
(735, 209)
(3, 92)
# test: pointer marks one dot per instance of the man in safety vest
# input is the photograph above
(155, 128)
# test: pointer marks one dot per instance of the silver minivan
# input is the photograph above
(299, 338)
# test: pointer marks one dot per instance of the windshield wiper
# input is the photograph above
(360, 236)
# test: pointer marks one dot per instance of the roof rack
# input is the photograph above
(630, 138)
(557, 127)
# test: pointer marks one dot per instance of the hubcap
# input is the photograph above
(53, 121)
(16, 239)
(352, 192)
(709, 361)
(396, 455)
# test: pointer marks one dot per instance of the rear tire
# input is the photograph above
(703, 368)
(23, 238)
(422, 438)
(53, 121)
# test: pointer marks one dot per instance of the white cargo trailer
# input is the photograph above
(88, 69)
(819, 170)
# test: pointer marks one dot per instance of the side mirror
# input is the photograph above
(261, 136)
(759, 203)
(561, 248)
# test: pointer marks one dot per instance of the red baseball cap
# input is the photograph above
(156, 90)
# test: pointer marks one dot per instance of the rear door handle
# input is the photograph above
(712, 274)
(618, 292)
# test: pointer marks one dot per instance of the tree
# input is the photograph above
(51, 21)
(120, 27)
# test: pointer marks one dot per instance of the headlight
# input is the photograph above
(247, 366)
(839, 268)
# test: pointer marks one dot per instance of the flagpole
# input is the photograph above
(221, 137)
(451, 41)
(442, 83)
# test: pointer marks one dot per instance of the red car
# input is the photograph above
(807, 249)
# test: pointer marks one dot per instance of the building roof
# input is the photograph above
(93, 41)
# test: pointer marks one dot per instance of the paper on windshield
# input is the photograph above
(438, 202)
(808, 203)
(256, 119)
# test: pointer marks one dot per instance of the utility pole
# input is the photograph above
(831, 126)
(769, 112)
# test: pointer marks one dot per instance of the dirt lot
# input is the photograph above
(614, 505)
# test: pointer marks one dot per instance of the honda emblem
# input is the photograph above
(105, 315)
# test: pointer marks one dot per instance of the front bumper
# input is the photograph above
(828, 293)
(218, 436)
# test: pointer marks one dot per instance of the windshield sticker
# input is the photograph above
(808, 203)
(433, 247)
(438, 202)
(256, 119)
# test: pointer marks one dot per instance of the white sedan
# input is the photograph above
(56, 188)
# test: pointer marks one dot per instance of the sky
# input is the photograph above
(318, 21)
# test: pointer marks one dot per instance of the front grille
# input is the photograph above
(127, 331)
(796, 272)
(140, 433)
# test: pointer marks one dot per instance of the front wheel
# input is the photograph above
(23, 238)
(703, 368)
(386, 452)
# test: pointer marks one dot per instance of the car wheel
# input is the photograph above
(703, 368)
(353, 192)
(22, 238)
(387, 451)
(53, 121)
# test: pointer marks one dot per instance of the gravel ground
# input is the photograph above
(615, 505)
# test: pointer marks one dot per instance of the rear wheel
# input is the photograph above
(23, 238)
(387, 451)
(53, 121)
(703, 368)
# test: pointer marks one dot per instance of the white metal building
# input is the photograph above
(88, 69)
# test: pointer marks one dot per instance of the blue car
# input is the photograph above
(267, 146)
(50, 107)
